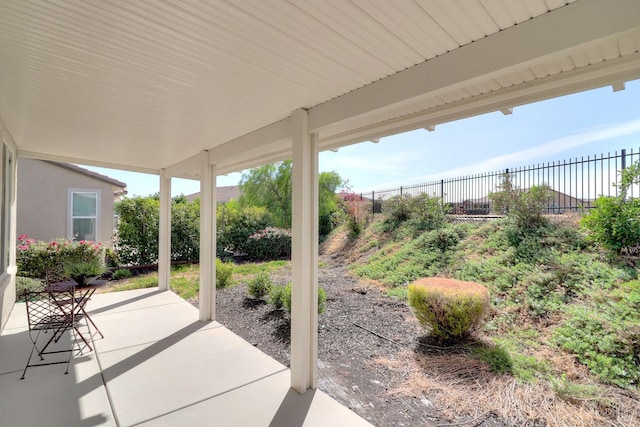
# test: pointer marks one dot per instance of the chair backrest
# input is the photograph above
(44, 310)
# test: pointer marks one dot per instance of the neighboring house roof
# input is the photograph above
(224, 194)
(92, 174)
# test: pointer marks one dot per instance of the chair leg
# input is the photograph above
(30, 356)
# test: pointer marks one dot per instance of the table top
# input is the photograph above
(71, 284)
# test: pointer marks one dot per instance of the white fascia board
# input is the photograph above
(546, 36)
(80, 161)
(599, 75)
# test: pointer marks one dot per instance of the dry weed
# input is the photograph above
(465, 388)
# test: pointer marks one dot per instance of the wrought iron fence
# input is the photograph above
(575, 184)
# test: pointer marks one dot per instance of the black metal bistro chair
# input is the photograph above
(51, 314)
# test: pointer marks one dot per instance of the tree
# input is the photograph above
(269, 187)
(328, 183)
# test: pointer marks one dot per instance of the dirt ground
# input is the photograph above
(368, 348)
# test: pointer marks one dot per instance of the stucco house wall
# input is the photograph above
(44, 199)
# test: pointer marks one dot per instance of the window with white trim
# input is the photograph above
(84, 208)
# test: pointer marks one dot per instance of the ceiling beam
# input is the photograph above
(546, 36)
(86, 162)
(598, 75)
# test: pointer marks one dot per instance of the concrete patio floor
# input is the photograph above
(156, 366)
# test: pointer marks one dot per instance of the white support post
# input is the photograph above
(304, 256)
(164, 234)
(207, 239)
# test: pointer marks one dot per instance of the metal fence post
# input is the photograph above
(623, 155)
(373, 202)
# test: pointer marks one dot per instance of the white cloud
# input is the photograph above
(530, 155)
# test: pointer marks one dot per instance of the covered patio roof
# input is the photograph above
(195, 89)
(145, 85)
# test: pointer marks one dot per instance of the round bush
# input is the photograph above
(260, 285)
(449, 308)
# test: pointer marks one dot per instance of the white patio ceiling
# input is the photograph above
(144, 85)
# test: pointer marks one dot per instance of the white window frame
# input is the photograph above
(70, 193)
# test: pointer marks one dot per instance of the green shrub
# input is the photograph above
(496, 357)
(286, 298)
(27, 284)
(84, 270)
(111, 258)
(425, 213)
(428, 212)
(322, 300)
(235, 224)
(224, 274)
(525, 208)
(269, 244)
(276, 295)
(614, 223)
(136, 240)
(185, 229)
(448, 308)
(397, 210)
(123, 273)
(36, 258)
(605, 336)
(260, 285)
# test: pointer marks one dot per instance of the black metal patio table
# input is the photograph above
(76, 308)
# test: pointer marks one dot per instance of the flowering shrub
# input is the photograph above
(448, 308)
(268, 244)
(355, 212)
(35, 258)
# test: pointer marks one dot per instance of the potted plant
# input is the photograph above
(84, 272)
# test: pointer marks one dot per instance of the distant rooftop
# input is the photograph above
(224, 194)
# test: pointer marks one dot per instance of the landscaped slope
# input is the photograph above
(564, 314)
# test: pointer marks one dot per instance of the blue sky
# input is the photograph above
(587, 123)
